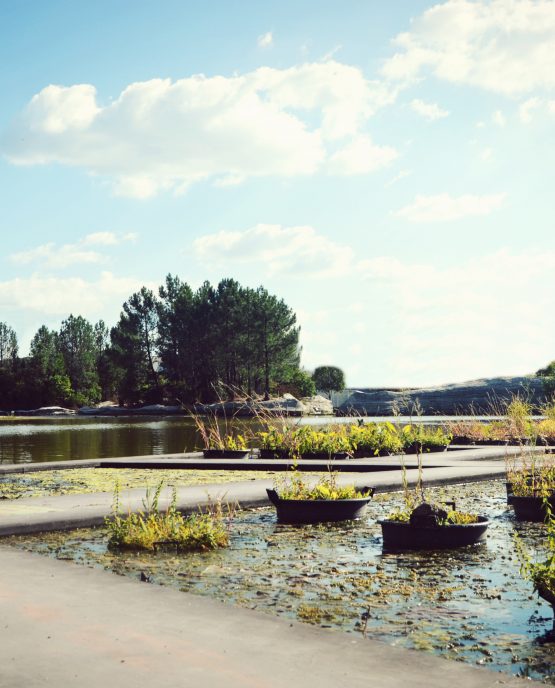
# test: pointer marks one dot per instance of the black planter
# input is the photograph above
(319, 510)
(226, 453)
(324, 456)
(530, 508)
(398, 535)
(273, 453)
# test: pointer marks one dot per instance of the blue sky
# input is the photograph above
(385, 168)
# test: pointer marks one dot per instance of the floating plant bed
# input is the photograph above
(400, 536)
(226, 453)
(319, 510)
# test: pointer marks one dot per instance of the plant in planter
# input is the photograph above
(541, 573)
(424, 525)
(151, 529)
(531, 488)
(375, 439)
(419, 438)
(298, 501)
(221, 439)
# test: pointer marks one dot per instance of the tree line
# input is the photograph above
(174, 346)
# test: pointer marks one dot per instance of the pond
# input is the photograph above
(65, 439)
(469, 605)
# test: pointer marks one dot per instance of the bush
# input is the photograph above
(151, 529)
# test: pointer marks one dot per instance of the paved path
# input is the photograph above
(68, 625)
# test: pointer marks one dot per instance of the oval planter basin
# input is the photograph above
(398, 535)
(530, 508)
(226, 453)
(319, 510)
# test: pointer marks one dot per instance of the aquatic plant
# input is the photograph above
(366, 439)
(150, 528)
(531, 475)
(541, 573)
(295, 486)
(219, 433)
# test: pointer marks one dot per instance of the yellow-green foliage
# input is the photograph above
(453, 517)
(87, 480)
(151, 528)
(532, 477)
(371, 439)
(295, 486)
(540, 573)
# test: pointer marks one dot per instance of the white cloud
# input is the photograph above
(430, 111)
(55, 256)
(526, 109)
(160, 135)
(361, 156)
(445, 208)
(504, 46)
(486, 154)
(298, 251)
(265, 40)
(398, 177)
(499, 119)
(54, 296)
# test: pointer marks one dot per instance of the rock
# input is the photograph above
(46, 411)
(427, 516)
(482, 397)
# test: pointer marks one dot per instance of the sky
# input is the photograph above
(385, 168)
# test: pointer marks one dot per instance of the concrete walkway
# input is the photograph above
(67, 625)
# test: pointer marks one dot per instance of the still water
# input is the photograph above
(65, 439)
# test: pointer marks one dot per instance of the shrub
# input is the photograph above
(150, 529)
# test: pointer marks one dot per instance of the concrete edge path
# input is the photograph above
(68, 625)
(39, 514)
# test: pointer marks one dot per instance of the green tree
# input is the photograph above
(77, 341)
(297, 382)
(548, 378)
(329, 379)
(134, 349)
(8, 345)
(276, 337)
(48, 381)
(176, 333)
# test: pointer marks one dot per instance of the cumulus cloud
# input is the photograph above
(299, 251)
(504, 46)
(55, 256)
(61, 296)
(361, 156)
(430, 111)
(526, 110)
(499, 119)
(160, 135)
(265, 40)
(445, 208)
